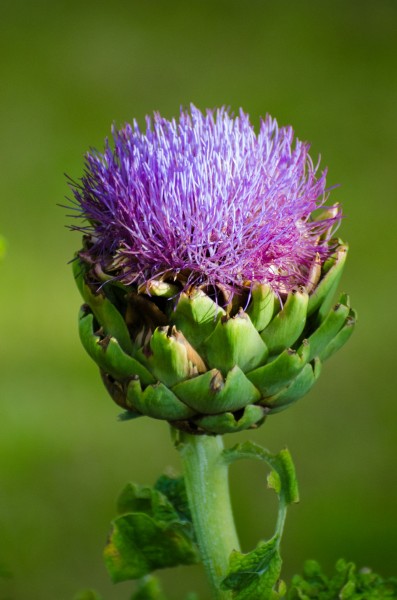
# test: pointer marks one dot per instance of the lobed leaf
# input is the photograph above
(252, 576)
(347, 583)
(149, 534)
(281, 464)
(175, 491)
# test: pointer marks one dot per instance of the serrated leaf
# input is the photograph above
(175, 491)
(138, 544)
(347, 583)
(149, 534)
(285, 484)
(145, 499)
(252, 576)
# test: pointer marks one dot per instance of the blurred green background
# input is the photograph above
(70, 69)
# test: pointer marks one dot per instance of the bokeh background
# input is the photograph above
(70, 69)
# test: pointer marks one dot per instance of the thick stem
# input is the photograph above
(207, 486)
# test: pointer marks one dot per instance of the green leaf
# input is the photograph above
(138, 545)
(283, 480)
(346, 584)
(252, 576)
(175, 491)
(145, 499)
(149, 534)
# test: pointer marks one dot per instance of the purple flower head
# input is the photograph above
(207, 201)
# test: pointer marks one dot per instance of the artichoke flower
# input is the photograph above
(208, 270)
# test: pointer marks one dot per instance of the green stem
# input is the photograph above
(207, 486)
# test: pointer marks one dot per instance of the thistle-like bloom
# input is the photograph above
(206, 200)
(206, 270)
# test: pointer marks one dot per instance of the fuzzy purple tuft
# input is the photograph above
(206, 200)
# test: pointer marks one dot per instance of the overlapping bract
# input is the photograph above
(208, 369)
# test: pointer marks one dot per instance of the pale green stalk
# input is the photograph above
(207, 486)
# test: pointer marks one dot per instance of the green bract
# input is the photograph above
(183, 357)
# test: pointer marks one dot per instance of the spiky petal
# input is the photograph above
(205, 199)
